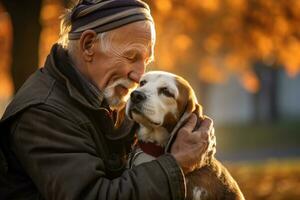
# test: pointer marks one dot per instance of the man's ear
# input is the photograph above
(87, 44)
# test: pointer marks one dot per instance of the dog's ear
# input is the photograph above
(190, 107)
(198, 110)
(193, 106)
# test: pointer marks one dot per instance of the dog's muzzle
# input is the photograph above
(137, 97)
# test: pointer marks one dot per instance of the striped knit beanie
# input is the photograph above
(105, 15)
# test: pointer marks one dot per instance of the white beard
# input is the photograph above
(117, 101)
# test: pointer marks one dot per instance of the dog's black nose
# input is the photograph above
(137, 96)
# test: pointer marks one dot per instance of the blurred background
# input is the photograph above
(241, 56)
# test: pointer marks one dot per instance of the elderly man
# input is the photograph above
(59, 135)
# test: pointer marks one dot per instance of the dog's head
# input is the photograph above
(161, 100)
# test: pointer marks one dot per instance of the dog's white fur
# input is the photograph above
(157, 105)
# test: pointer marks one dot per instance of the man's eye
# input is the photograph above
(166, 92)
(132, 58)
(143, 82)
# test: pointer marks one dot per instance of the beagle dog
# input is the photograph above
(160, 105)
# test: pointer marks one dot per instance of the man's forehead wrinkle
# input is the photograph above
(135, 38)
(136, 47)
(130, 48)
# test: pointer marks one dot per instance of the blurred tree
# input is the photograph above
(6, 89)
(27, 27)
(50, 21)
(25, 16)
(266, 99)
(228, 35)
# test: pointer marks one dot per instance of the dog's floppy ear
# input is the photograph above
(187, 101)
(198, 110)
(192, 105)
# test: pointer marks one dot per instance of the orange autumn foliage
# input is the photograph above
(6, 88)
(231, 34)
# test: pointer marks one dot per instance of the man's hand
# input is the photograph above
(191, 148)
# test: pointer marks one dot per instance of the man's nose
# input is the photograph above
(134, 76)
(137, 72)
(137, 96)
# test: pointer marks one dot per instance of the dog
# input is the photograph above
(161, 104)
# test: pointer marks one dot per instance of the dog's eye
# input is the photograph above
(166, 92)
(143, 82)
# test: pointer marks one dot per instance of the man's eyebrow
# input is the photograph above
(135, 51)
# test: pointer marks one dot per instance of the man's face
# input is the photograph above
(117, 68)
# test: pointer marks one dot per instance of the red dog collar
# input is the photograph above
(151, 148)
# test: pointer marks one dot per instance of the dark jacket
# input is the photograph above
(58, 141)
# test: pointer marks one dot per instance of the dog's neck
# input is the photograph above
(152, 141)
(159, 135)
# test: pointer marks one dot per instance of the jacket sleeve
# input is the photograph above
(59, 157)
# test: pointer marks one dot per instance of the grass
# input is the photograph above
(271, 180)
(266, 179)
(282, 135)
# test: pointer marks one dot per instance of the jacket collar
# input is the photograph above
(59, 65)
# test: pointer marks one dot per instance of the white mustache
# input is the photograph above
(109, 90)
(125, 83)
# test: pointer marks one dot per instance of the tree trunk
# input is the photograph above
(266, 100)
(25, 17)
(274, 94)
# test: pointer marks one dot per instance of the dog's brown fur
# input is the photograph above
(216, 180)
(213, 178)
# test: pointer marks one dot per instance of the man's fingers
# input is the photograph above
(199, 144)
(191, 123)
(206, 124)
